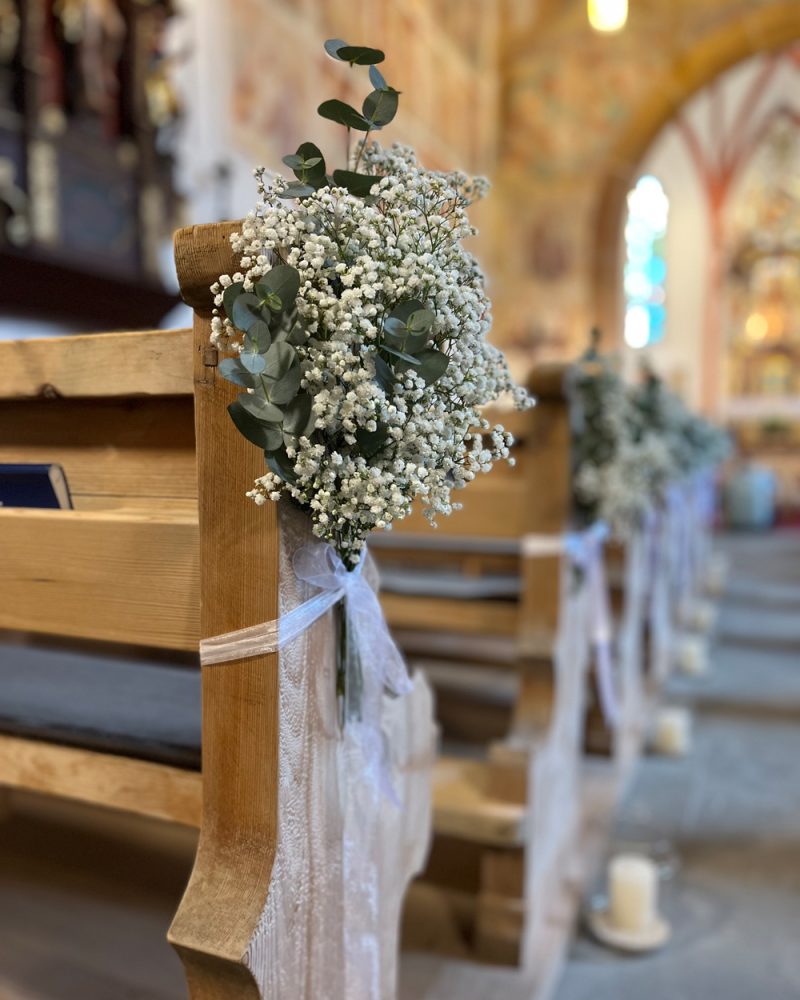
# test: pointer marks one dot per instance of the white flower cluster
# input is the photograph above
(638, 443)
(358, 259)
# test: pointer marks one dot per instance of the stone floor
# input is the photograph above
(84, 911)
(729, 815)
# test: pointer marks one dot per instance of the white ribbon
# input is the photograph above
(374, 664)
(585, 552)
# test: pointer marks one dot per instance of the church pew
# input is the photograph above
(163, 548)
(473, 603)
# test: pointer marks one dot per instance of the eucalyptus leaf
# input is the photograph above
(260, 408)
(246, 311)
(409, 358)
(286, 388)
(333, 45)
(279, 359)
(433, 364)
(371, 442)
(266, 436)
(283, 280)
(312, 170)
(253, 362)
(360, 55)
(376, 78)
(404, 310)
(420, 321)
(384, 375)
(357, 184)
(380, 107)
(296, 189)
(280, 463)
(408, 343)
(260, 334)
(233, 370)
(229, 296)
(298, 417)
(343, 114)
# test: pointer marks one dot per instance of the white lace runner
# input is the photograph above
(584, 552)
(344, 855)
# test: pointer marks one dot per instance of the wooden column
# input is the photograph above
(218, 916)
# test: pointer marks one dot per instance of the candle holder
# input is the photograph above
(628, 919)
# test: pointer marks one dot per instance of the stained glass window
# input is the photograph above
(645, 264)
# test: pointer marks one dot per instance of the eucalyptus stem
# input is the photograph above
(361, 150)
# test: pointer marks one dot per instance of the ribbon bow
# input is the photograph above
(585, 551)
(373, 663)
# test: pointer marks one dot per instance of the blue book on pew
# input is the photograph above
(34, 486)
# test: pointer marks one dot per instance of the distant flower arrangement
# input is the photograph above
(356, 328)
(631, 445)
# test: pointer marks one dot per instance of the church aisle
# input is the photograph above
(730, 811)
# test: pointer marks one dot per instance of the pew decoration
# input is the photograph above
(356, 328)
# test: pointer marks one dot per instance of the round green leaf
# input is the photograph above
(297, 190)
(283, 281)
(376, 78)
(357, 184)
(420, 321)
(343, 114)
(266, 436)
(259, 336)
(359, 55)
(409, 358)
(229, 296)
(333, 45)
(298, 417)
(246, 311)
(433, 364)
(254, 363)
(280, 463)
(286, 388)
(260, 408)
(233, 370)
(404, 310)
(279, 359)
(380, 107)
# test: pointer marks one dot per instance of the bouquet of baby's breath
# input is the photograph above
(356, 327)
(613, 478)
(692, 442)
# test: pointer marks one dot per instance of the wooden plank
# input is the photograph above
(151, 363)
(136, 786)
(115, 452)
(130, 578)
(239, 550)
(464, 808)
(474, 617)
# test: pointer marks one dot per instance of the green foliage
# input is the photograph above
(276, 411)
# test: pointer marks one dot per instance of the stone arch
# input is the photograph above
(762, 30)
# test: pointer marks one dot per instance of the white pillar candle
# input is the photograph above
(692, 656)
(672, 733)
(632, 893)
(705, 615)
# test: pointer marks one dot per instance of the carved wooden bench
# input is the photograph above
(480, 608)
(102, 608)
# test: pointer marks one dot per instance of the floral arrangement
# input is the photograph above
(692, 442)
(629, 446)
(615, 476)
(356, 328)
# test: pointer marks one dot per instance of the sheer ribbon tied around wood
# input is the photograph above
(584, 550)
(373, 663)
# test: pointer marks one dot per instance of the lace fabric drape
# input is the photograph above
(344, 855)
